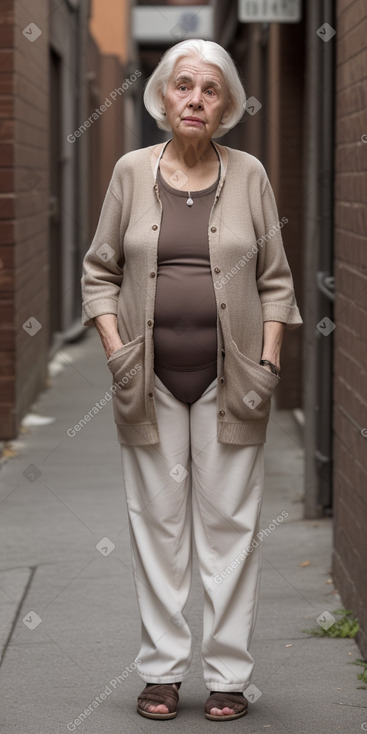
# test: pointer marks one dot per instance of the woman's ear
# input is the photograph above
(228, 109)
(162, 102)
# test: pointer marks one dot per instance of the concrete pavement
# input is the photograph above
(68, 613)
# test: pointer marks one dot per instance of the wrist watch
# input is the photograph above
(271, 365)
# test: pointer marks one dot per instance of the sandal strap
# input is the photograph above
(163, 693)
(221, 699)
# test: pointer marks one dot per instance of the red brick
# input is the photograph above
(6, 180)
(7, 31)
(351, 44)
(352, 71)
(350, 16)
(6, 60)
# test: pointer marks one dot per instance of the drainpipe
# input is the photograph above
(318, 353)
(325, 278)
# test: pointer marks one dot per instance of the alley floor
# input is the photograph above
(68, 614)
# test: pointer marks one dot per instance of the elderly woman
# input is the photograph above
(189, 287)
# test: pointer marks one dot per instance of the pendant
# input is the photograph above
(189, 201)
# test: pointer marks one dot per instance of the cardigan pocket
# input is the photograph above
(250, 386)
(128, 393)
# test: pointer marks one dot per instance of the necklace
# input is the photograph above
(189, 200)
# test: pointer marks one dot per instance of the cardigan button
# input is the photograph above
(217, 270)
(150, 394)
(213, 229)
(221, 379)
(223, 305)
(149, 322)
(152, 275)
(222, 413)
(155, 226)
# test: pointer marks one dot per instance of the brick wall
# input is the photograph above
(23, 209)
(350, 335)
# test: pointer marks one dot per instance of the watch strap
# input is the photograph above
(271, 365)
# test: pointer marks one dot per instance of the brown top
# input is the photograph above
(185, 319)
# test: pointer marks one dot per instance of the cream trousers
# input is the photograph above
(189, 486)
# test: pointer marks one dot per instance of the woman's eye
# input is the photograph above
(184, 87)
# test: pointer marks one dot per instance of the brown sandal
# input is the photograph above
(160, 693)
(221, 699)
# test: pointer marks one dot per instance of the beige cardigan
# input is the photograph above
(252, 283)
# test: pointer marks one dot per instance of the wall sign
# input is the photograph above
(168, 24)
(269, 11)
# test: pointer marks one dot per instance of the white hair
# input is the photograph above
(210, 52)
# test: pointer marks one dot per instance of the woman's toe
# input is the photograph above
(222, 712)
(159, 709)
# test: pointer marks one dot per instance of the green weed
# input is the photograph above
(362, 676)
(345, 625)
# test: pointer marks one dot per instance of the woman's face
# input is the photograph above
(196, 98)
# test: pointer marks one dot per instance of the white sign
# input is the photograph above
(162, 23)
(269, 11)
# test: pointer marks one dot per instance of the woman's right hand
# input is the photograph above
(106, 325)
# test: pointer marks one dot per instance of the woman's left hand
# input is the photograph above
(273, 336)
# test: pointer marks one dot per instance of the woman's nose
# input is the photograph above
(196, 97)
